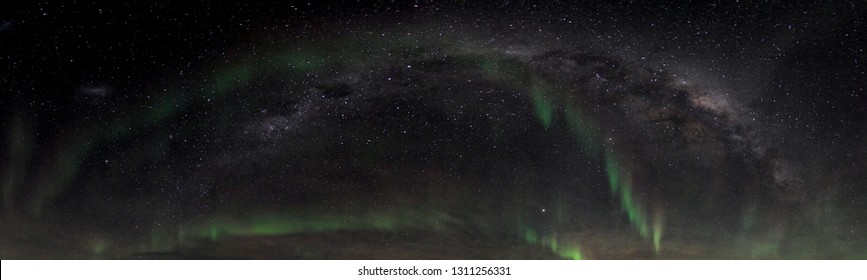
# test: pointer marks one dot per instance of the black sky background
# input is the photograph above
(785, 44)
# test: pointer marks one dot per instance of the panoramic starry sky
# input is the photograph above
(419, 130)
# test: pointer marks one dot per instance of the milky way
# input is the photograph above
(492, 131)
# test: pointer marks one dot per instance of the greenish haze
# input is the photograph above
(287, 223)
(490, 66)
(157, 111)
(765, 249)
(164, 108)
(571, 253)
(657, 231)
(543, 104)
(213, 232)
(66, 163)
(163, 238)
(530, 235)
(61, 173)
(98, 246)
(583, 128)
(620, 182)
(551, 243)
(562, 249)
(231, 77)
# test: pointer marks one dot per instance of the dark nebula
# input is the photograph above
(434, 131)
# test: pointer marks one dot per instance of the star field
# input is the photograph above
(364, 131)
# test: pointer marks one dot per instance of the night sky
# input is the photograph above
(417, 130)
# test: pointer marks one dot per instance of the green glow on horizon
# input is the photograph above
(762, 242)
(280, 224)
(98, 246)
(621, 186)
(571, 253)
(658, 221)
(163, 237)
(566, 250)
(620, 183)
(552, 243)
(530, 235)
(765, 249)
(229, 78)
(213, 232)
